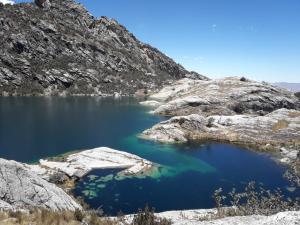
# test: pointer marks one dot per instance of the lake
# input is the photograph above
(32, 128)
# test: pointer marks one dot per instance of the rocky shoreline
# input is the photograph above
(22, 189)
(233, 110)
(24, 186)
(202, 217)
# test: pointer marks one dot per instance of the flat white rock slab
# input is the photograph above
(195, 217)
(81, 163)
(186, 218)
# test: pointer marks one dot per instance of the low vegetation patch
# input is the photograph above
(147, 217)
(294, 114)
(92, 217)
(281, 124)
(46, 217)
(254, 200)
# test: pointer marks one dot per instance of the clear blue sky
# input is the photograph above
(259, 39)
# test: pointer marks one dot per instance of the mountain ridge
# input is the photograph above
(60, 48)
(294, 87)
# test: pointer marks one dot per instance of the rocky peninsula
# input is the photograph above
(235, 110)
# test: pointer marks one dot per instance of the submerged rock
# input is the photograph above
(22, 189)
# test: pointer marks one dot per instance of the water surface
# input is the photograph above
(37, 127)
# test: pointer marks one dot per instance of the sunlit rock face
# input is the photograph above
(79, 164)
(281, 126)
(57, 47)
(20, 188)
(193, 217)
(226, 96)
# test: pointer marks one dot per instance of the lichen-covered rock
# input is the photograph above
(227, 96)
(20, 188)
(63, 49)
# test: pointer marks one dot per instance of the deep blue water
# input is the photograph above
(37, 127)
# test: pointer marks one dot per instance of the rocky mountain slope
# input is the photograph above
(59, 47)
(226, 96)
(20, 188)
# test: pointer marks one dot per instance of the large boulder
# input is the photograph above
(43, 3)
(20, 188)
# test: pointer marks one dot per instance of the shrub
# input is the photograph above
(254, 200)
(17, 215)
(58, 178)
(243, 79)
(210, 122)
(147, 217)
(238, 108)
(297, 94)
(181, 121)
(78, 215)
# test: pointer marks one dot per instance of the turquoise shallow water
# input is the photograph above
(37, 127)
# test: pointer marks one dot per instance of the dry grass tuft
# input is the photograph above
(294, 114)
(46, 217)
(93, 217)
(281, 124)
